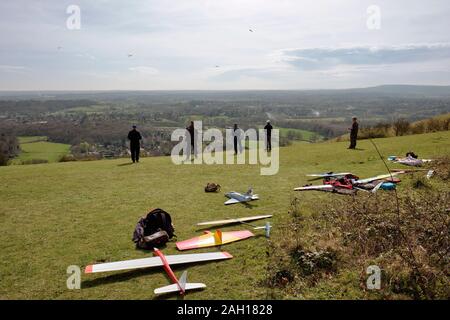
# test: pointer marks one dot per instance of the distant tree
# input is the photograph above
(401, 127)
(9, 147)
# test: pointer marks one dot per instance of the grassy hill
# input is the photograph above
(77, 213)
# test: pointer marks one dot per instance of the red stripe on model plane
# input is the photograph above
(168, 269)
(88, 269)
(226, 254)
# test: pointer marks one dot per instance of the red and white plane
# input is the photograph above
(165, 261)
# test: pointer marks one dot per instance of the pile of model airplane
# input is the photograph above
(342, 182)
(208, 239)
(348, 183)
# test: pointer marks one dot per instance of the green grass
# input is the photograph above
(306, 135)
(38, 148)
(78, 213)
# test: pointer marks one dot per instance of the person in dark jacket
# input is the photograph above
(268, 129)
(191, 130)
(353, 133)
(135, 145)
(237, 139)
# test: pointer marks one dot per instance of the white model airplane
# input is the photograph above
(232, 221)
(379, 177)
(267, 227)
(164, 261)
(236, 197)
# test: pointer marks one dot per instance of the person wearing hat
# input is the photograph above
(135, 145)
(268, 129)
(353, 133)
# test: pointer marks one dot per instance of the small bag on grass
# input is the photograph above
(153, 230)
(212, 187)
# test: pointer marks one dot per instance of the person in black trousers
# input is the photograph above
(268, 129)
(135, 145)
(191, 130)
(237, 139)
(353, 133)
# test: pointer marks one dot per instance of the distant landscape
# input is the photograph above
(94, 124)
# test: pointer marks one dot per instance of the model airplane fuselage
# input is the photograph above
(236, 197)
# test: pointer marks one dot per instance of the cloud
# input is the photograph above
(144, 70)
(326, 58)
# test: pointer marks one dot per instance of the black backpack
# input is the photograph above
(153, 230)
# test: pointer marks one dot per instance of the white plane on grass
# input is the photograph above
(236, 197)
(267, 227)
(165, 261)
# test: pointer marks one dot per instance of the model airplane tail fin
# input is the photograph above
(218, 237)
(249, 192)
(183, 280)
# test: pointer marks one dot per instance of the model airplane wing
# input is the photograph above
(230, 221)
(318, 187)
(326, 175)
(213, 239)
(231, 201)
(380, 177)
(156, 261)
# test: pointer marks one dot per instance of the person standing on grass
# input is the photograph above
(237, 139)
(268, 129)
(353, 133)
(135, 144)
(190, 133)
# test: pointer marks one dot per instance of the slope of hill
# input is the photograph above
(78, 213)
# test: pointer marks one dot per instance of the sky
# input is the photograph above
(222, 44)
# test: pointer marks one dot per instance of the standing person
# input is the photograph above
(135, 145)
(353, 133)
(268, 129)
(237, 139)
(191, 130)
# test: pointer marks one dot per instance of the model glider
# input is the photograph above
(210, 239)
(233, 221)
(156, 262)
(409, 160)
(236, 197)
